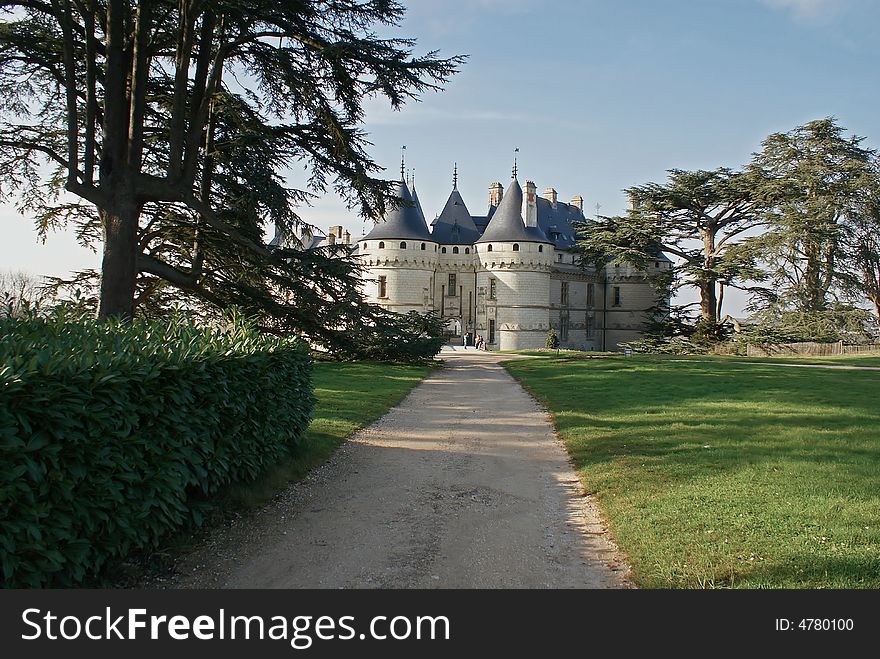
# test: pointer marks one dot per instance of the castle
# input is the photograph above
(510, 275)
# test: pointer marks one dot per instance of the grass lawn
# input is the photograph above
(350, 396)
(718, 474)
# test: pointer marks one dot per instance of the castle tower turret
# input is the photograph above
(513, 276)
(399, 257)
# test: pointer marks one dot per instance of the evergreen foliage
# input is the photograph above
(174, 128)
(701, 218)
(817, 179)
(114, 435)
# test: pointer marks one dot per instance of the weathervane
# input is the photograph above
(515, 151)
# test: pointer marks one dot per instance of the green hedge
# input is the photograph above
(113, 436)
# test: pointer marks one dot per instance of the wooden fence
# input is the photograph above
(810, 348)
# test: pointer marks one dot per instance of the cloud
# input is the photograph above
(807, 9)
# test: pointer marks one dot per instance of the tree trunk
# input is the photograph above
(708, 295)
(708, 302)
(812, 295)
(119, 265)
(876, 300)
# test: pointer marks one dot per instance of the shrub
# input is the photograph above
(406, 338)
(113, 436)
(552, 342)
(668, 346)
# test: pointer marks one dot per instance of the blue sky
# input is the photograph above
(598, 95)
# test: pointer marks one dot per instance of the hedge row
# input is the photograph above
(113, 436)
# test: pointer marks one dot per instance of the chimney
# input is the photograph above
(530, 204)
(347, 236)
(331, 237)
(496, 192)
(550, 195)
(578, 202)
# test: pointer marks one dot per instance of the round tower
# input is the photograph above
(399, 257)
(514, 260)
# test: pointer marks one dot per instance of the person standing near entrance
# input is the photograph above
(467, 340)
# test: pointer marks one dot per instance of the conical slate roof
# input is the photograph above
(454, 226)
(507, 224)
(403, 222)
(415, 196)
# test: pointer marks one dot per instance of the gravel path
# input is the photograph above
(463, 485)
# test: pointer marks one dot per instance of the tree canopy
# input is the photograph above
(171, 128)
(818, 179)
(700, 217)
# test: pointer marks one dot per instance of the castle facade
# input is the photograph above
(510, 275)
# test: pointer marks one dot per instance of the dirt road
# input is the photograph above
(463, 485)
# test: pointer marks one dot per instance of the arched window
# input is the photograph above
(467, 250)
(423, 247)
(489, 249)
(455, 250)
(402, 245)
(381, 245)
(540, 248)
(515, 247)
(443, 251)
(365, 245)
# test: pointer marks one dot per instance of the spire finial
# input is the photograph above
(455, 177)
(402, 162)
(515, 151)
(413, 184)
